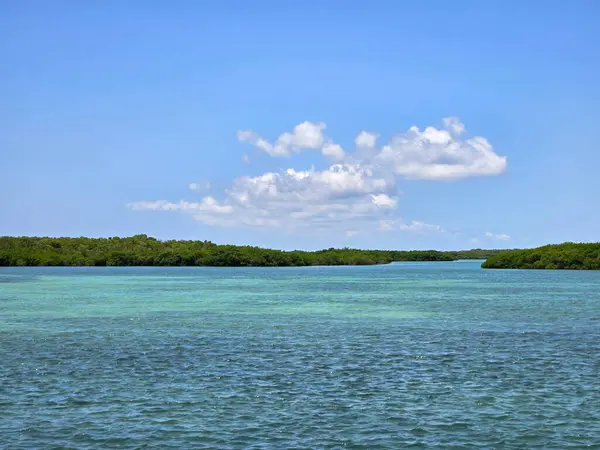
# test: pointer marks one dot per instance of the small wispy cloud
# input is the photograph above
(414, 226)
(199, 186)
(500, 237)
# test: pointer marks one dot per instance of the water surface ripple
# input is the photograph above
(408, 355)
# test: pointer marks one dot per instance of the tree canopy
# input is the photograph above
(141, 250)
(561, 256)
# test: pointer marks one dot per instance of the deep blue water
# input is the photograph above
(408, 355)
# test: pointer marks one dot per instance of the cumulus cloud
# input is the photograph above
(357, 192)
(440, 154)
(341, 196)
(333, 151)
(306, 135)
(366, 139)
(500, 237)
(428, 154)
(384, 200)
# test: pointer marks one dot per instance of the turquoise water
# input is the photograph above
(408, 355)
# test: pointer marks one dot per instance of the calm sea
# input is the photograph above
(408, 355)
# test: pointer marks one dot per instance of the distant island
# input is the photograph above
(141, 250)
(561, 256)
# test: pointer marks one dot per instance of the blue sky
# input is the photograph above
(110, 110)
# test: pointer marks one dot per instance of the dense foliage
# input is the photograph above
(141, 250)
(562, 256)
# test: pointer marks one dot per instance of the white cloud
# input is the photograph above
(306, 135)
(207, 205)
(246, 136)
(440, 154)
(342, 197)
(421, 227)
(434, 136)
(431, 154)
(501, 236)
(338, 184)
(454, 125)
(384, 200)
(199, 186)
(333, 151)
(357, 193)
(414, 226)
(252, 138)
(366, 139)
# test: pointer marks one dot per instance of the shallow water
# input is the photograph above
(408, 355)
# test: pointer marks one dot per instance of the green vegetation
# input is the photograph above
(141, 250)
(562, 256)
